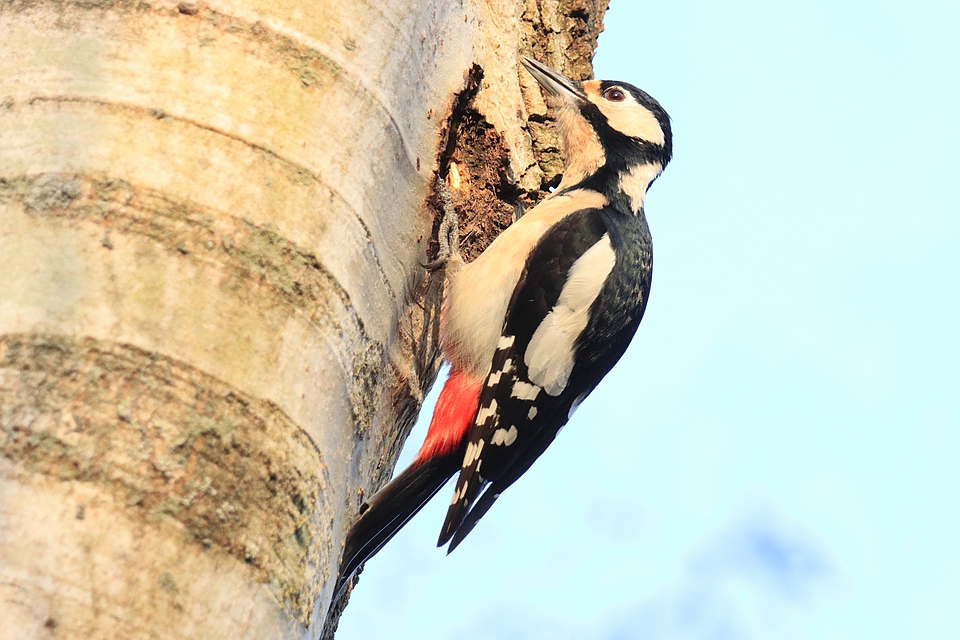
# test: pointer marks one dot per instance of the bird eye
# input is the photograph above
(614, 94)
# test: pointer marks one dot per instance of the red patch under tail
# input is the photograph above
(452, 416)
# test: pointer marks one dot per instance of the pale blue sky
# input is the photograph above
(778, 453)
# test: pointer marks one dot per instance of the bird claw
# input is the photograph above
(435, 264)
(449, 234)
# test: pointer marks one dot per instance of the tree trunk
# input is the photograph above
(214, 330)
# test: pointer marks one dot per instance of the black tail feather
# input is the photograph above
(476, 512)
(469, 520)
(469, 485)
(389, 509)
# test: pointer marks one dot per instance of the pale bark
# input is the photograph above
(214, 330)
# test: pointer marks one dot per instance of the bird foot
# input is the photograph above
(449, 233)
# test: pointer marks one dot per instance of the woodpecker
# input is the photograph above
(532, 325)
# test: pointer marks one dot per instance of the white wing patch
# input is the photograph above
(473, 452)
(524, 391)
(505, 437)
(631, 118)
(458, 494)
(549, 357)
(478, 296)
(486, 412)
(494, 378)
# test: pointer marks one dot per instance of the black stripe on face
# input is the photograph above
(621, 150)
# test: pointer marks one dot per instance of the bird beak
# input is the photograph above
(554, 82)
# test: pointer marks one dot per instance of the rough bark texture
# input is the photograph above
(214, 331)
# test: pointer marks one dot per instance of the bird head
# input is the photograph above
(616, 137)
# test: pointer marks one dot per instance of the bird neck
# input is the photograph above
(625, 187)
(583, 152)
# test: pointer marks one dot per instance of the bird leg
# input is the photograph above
(449, 234)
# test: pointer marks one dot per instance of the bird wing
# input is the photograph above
(535, 380)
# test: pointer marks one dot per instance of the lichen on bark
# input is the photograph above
(171, 441)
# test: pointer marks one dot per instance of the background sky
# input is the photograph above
(778, 453)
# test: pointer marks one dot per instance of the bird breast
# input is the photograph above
(475, 305)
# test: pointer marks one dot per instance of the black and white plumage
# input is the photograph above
(576, 307)
(579, 296)
(535, 322)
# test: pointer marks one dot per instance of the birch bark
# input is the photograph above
(214, 330)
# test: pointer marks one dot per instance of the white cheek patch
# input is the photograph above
(632, 119)
(549, 357)
(634, 183)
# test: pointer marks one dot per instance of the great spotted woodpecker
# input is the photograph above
(532, 325)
